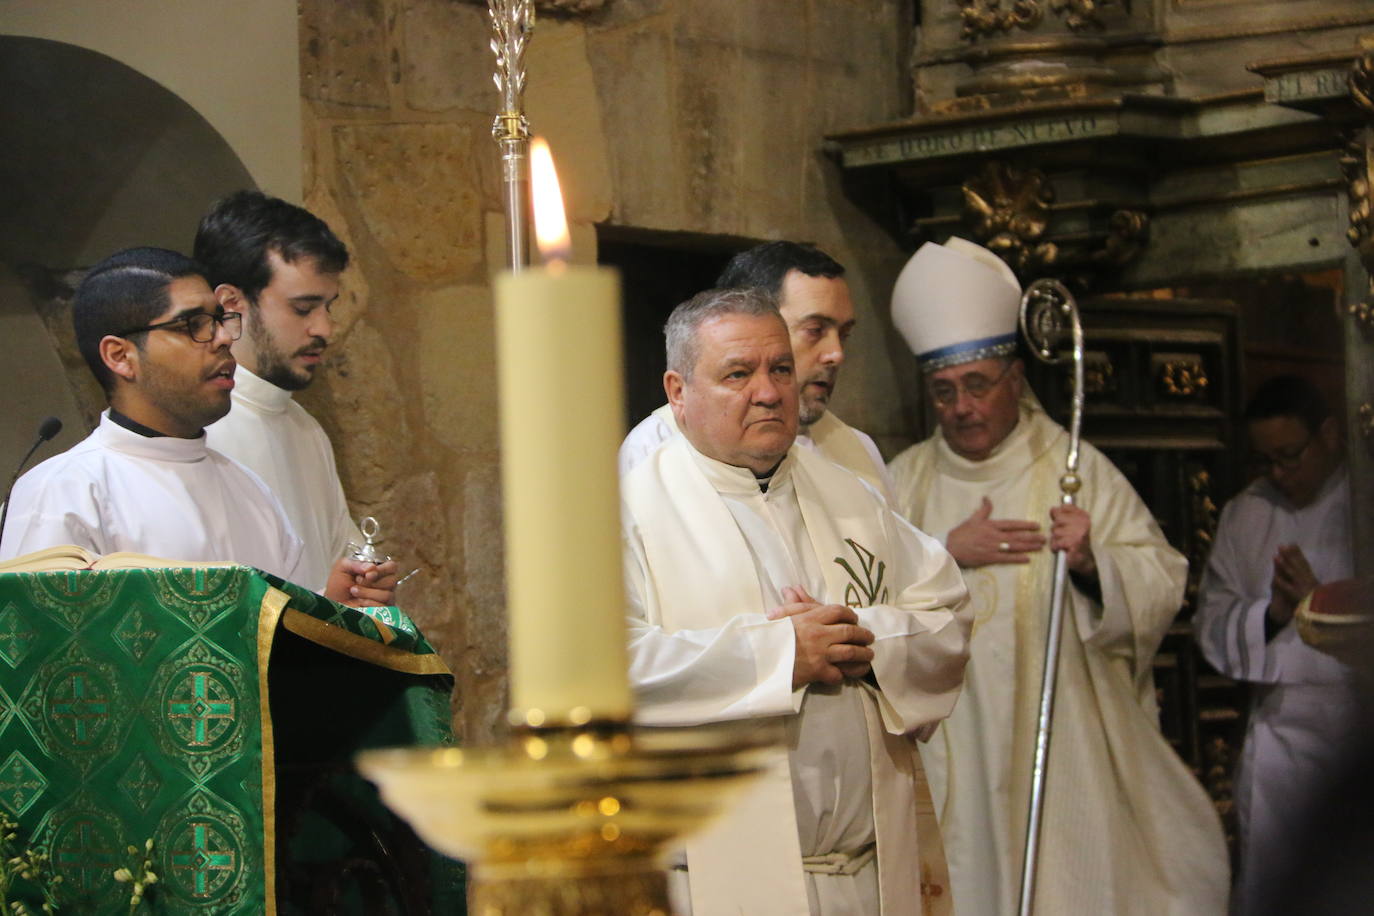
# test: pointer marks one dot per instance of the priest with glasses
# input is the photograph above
(144, 481)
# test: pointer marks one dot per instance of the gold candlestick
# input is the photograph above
(575, 814)
(571, 822)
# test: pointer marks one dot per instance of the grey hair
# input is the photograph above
(680, 333)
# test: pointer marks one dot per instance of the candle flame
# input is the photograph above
(550, 221)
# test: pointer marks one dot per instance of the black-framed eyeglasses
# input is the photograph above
(1286, 459)
(199, 325)
(976, 386)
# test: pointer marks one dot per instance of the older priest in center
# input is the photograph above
(766, 582)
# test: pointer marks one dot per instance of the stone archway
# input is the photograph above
(98, 157)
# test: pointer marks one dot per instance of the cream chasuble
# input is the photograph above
(273, 436)
(116, 490)
(831, 436)
(1126, 829)
(707, 554)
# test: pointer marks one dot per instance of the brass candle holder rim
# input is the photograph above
(621, 746)
(572, 798)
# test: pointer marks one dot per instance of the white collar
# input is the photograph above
(729, 480)
(156, 448)
(1337, 479)
(258, 392)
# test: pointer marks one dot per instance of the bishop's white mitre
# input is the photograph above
(955, 303)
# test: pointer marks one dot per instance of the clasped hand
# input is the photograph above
(831, 645)
(1070, 531)
(360, 584)
(1293, 581)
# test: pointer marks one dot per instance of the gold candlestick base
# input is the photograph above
(571, 821)
(643, 892)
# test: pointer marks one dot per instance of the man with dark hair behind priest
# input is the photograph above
(279, 265)
(813, 297)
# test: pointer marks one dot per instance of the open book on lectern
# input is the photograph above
(67, 557)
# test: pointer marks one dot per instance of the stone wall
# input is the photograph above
(700, 116)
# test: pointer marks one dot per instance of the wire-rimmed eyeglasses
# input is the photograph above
(1285, 459)
(975, 385)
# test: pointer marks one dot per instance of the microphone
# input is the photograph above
(50, 427)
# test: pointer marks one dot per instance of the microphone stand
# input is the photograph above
(50, 427)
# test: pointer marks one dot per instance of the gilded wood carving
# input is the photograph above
(561, 8)
(1009, 209)
(1357, 165)
(989, 18)
(1181, 376)
(1203, 513)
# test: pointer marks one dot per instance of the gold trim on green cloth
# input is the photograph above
(270, 612)
(361, 648)
(388, 635)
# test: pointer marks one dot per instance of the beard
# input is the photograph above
(275, 367)
(811, 407)
(191, 406)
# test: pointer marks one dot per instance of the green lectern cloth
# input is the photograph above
(215, 711)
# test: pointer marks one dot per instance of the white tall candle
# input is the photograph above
(562, 407)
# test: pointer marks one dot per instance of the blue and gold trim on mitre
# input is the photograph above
(986, 348)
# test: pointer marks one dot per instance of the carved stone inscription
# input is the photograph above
(1307, 86)
(987, 138)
